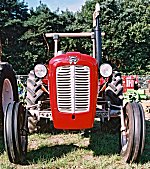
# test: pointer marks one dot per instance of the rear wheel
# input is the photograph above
(132, 146)
(114, 95)
(15, 133)
(8, 89)
(114, 89)
(35, 94)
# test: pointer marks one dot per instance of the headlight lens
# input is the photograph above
(40, 70)
(105, 70)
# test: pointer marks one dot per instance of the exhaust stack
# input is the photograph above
(97, 32)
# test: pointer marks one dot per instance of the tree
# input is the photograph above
(127, 28)
(41, 21)
(134, 27)
(126, 25)
(12, 15)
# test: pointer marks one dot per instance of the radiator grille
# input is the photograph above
(73, 88)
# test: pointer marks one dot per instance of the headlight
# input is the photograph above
(40, 70)
(105, 70)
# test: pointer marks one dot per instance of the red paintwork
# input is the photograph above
(81, 120)
(102, 81)
(45, 79)
(128, 82)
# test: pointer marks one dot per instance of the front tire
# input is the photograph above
(15, 133)
(132, 146)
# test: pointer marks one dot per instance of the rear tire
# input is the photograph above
(8, 89)
(114, 89)
(114, 95)
(35, 94)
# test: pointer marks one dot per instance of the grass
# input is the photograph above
(68, 150)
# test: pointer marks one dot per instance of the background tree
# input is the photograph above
(37, 48)
(135, 21)
(127, 28)
(126, 25)
(12, 15)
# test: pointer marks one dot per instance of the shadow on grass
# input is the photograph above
(49, 153)
(100, 142)
(1, 144)
(103, 142)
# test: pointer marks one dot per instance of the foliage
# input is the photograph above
(42, 20)
(12, 16)
(126, 25)
(127, 28)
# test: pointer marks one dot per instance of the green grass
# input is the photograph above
(68, 150)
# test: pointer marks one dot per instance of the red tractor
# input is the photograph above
(73, 89)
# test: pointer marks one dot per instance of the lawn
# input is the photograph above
(73, 150)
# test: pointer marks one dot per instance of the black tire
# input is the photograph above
(127, 145)
(143, 131)
(8, 80)
(35, 94)
(114, 89)
(137, 132)
(34, 91)
(32, 123)
(132, 147)
(15, 133)
(114, 95)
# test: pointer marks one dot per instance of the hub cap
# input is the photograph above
(7, 94)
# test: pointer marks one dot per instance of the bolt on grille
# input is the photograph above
(73, 88)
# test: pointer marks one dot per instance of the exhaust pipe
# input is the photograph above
(97, 32)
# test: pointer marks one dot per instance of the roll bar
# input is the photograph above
(95, 36)
(71, 35)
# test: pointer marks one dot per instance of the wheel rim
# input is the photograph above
(7, 94)
(126, 141)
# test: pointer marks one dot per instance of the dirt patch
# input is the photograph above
(56, 140)
(33, 144)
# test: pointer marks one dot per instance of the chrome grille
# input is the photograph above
(73, 88)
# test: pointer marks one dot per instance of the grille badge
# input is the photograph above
(73, 60)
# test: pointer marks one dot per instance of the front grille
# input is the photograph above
(73, 88)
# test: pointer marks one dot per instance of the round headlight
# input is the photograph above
(40, 70)
(105, 70)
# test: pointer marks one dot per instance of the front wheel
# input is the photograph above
(15, 133)
(132, 146)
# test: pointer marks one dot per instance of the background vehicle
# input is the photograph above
(73, 89)
(136, 88)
